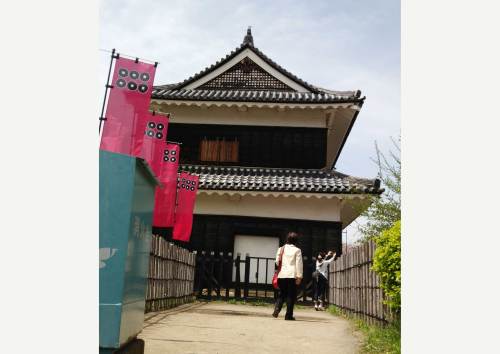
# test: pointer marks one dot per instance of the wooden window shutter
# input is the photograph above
(204, 150)
(219, 150)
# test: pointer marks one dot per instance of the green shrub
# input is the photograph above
(387, 264)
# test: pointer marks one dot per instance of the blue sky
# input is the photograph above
(338, 45)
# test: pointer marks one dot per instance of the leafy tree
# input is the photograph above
(387, 264)
(383, 225)
(385, 210)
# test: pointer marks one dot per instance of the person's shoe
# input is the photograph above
(321, 305)
(289, 318)
(277, 308)
(316, 305)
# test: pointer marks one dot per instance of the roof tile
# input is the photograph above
(280, 180)
(251, 96)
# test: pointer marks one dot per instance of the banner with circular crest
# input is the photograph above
(127, 106)
(187, 187)
(165, 197)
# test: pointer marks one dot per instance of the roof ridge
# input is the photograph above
(321, 170)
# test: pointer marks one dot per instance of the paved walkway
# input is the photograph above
(226, 328)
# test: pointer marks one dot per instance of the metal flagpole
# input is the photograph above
(108, 86)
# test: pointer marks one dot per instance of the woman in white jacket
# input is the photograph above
(290, 275)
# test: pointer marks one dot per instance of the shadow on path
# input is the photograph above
(252, 314)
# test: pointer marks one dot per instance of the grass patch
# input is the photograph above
(334, 310)
(381, 339)
(259, 303)
(234, 302)
(377, 338)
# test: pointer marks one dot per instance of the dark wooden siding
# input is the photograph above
(259, 146)
(216, 233)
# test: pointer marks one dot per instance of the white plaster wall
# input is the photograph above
(337, 129)
(269, 207)
(245, 116)
(256, 246)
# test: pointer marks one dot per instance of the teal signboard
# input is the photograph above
(126, 200)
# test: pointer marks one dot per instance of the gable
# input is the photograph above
(245, 75)
(262, 67)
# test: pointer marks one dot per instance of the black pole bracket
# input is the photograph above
(101, 118)
(156, 64)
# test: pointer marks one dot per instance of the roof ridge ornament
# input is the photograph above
(248, 38)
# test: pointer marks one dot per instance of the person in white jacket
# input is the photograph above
(321, 276)
(290, 275)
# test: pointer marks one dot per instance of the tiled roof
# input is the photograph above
(234, 53)
(176, 91)
(257, 96)
(237, 178)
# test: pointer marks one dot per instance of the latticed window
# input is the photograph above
(219, 150)
(246, 75)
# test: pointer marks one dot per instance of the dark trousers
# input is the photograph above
(288, 293)
(319, 288)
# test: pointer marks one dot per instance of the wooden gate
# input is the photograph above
(224, 277)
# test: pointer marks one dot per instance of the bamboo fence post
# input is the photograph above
(354, 286)
(171, 275)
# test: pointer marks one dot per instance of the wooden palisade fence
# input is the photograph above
(171, 275)
(354, 287)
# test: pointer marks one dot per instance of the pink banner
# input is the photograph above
(187, 188)
(164, 209)
(127, 107)
(155, 141)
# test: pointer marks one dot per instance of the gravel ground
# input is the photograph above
(226, 328)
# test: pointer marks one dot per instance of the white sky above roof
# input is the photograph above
(338, 45)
